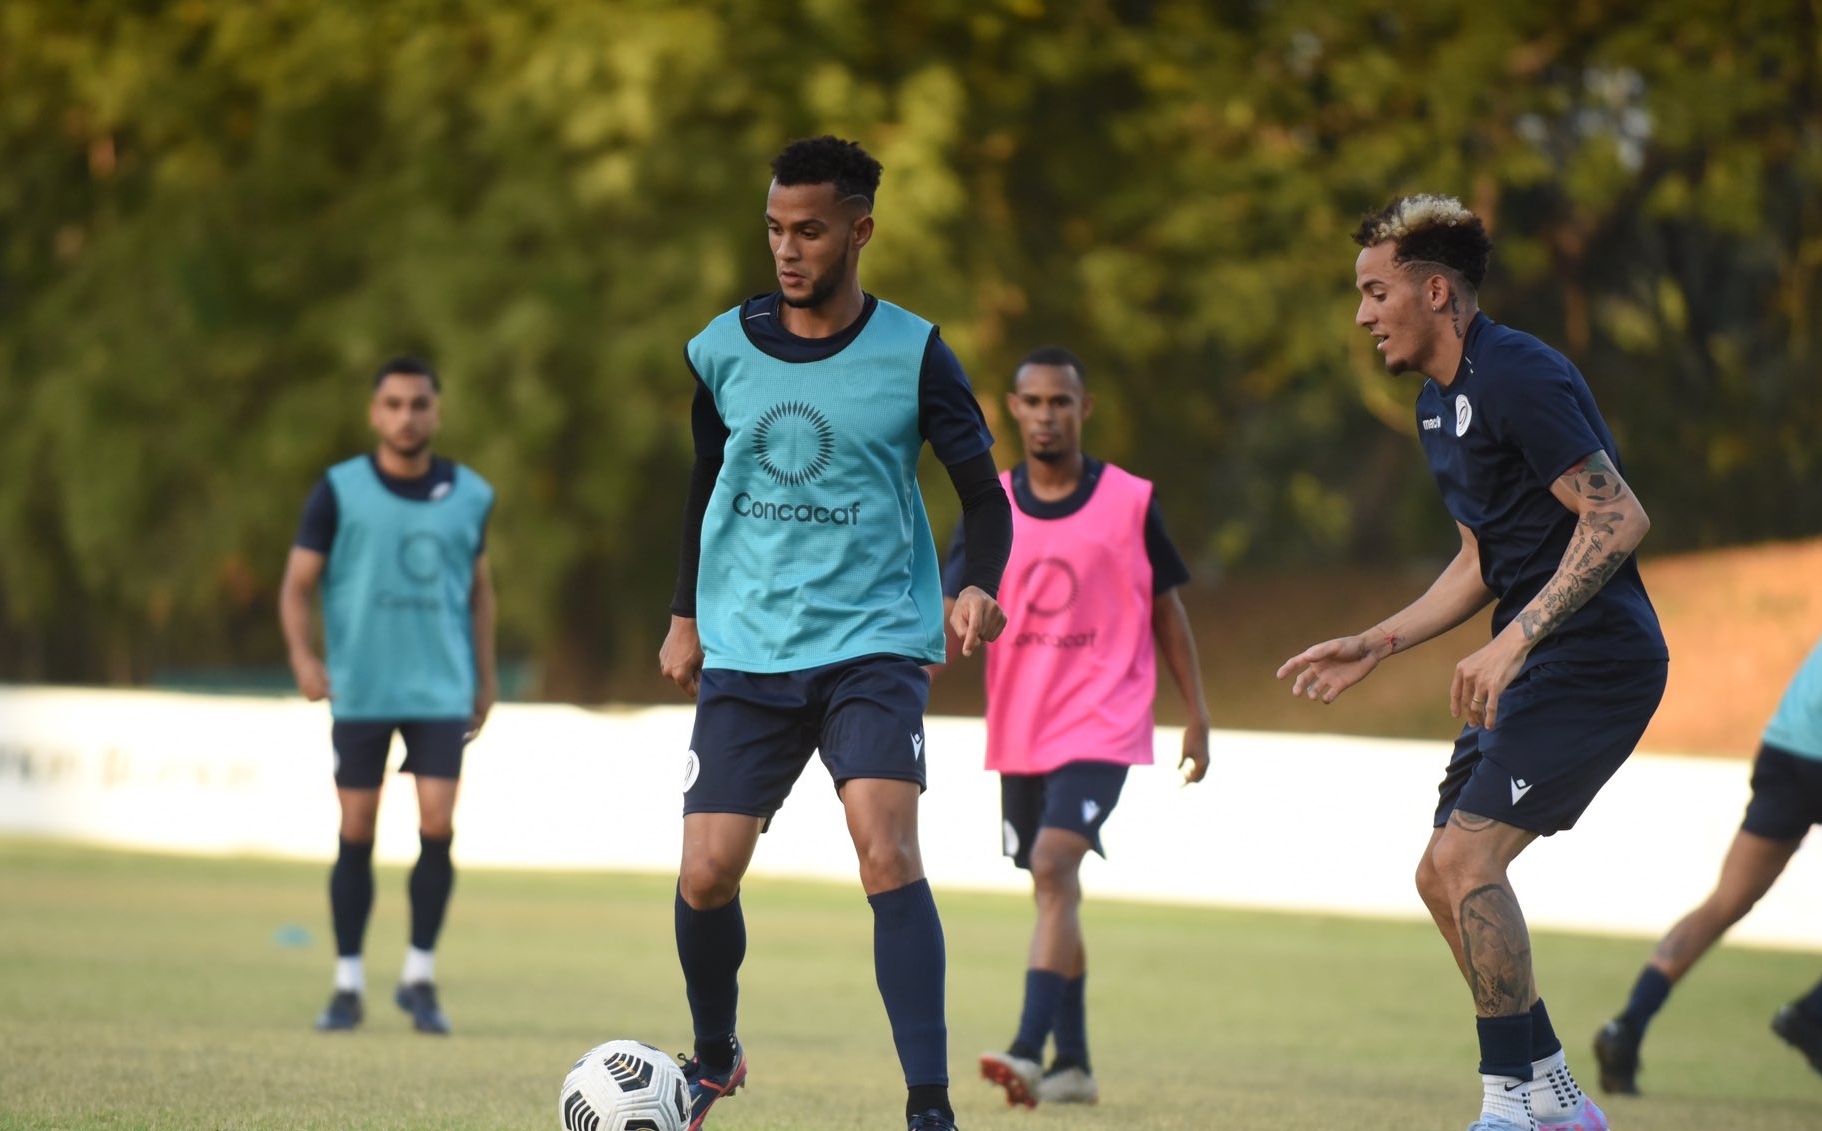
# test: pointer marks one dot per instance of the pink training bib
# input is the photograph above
(1073, 676)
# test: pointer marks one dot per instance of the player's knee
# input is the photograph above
(1456, 866)
(1054, 875)
(1429, 883)
(887, 863)
(437, 828)
(1731, 906)
(705, 886)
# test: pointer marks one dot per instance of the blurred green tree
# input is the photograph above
(216, 217)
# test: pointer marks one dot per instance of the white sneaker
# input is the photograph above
(1068, 1086)
(1020, 1077)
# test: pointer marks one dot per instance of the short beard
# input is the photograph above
(407, 453)
(1049, 456)
(824, 289)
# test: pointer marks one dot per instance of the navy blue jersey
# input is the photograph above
(1167, 568)
(948, 415)
(317, 529)
(1516, 418)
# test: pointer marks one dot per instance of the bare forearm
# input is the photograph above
(1457, 594)
(1170, 624)
(294, 617)
(1602, 542)
(485, 671)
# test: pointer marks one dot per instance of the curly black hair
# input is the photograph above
(829, 160)
(1431, 229)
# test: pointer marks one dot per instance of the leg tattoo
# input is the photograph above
(1496, 948)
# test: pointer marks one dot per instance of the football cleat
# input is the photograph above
(343, 1012)
(706, 1087)
(1799, 1032)
(1070, 1085)
(1020, 1077)
(420, 1000)
(931, 1120)
(1587, 1116)
(1495, 1123)
(1616, 1050)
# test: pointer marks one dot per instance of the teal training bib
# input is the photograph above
(816, 547)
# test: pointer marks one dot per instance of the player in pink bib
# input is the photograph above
(1090, 599)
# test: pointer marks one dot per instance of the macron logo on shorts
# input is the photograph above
(1519, 788)
(1089, 811)
(917, 747)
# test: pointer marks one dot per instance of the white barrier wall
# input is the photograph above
(1307, 822)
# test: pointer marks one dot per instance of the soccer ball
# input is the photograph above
(624, 1086)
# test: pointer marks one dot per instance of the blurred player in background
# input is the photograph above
(1558, 699)
(808, 601)
(1786, 801)
(397, 540)
(1090, 593)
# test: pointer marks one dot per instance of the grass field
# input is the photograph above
(163, 992)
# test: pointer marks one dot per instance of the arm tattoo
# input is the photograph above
(1596, 480)
(1588, 562)
(1496, 948)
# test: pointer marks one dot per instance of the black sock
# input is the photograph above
(1810, 1005)
(1544, 1041)
(1070, 1030)
(1043, 990)
(910, 967)
(1505, 1045)
(711, 945)
(432, 879)
(351, 896)
(1648, 994)
(928, 1097)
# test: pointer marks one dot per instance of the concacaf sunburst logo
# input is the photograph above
(793, 443)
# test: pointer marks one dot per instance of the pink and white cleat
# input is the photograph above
(1587, 1116)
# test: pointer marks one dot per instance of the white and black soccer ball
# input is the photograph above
(624, 1086)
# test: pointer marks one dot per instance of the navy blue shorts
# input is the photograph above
(1563, 729)
(433, 749)
(1076, 797)
(1786, 795)
(755, 731)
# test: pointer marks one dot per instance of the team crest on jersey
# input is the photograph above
(794, 443)
(1051, 587)
(420, 556)
(1464, 414)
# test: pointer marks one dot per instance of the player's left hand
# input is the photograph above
(680, 659)
(483, 705)
(1194, 763)
(977, 618)
(1479, 680)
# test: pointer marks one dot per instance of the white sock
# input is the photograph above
(1507, 1098)
(1553, 1090)
(350, 975)
(420, 966)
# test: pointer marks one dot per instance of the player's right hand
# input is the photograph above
(976, 618)
(1327, 669)
(680, 659)
(312, 677)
